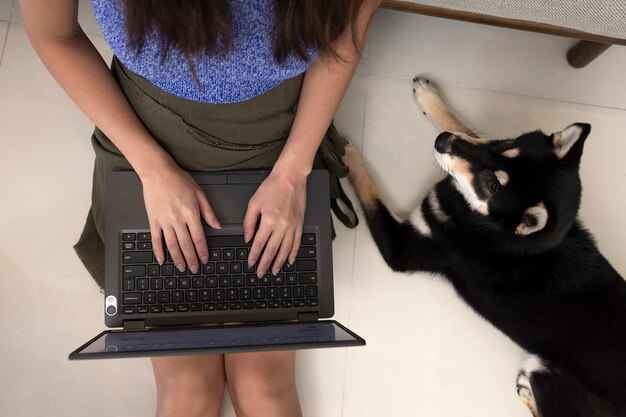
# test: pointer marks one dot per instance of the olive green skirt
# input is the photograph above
(206, 137)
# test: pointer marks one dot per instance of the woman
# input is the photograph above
(209, 85)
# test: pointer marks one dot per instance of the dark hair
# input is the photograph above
(196, 26)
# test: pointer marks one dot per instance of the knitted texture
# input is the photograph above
(600, 17)
(248, 70)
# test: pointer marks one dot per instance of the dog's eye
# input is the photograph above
(494, 185)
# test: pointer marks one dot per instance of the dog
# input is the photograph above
(502, 227)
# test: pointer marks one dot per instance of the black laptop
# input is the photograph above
(162, 311)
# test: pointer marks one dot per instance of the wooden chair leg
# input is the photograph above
(584, 52)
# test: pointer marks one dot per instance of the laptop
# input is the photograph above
(156, 310)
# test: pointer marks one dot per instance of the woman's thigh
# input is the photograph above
(189, 385)
(263, 383)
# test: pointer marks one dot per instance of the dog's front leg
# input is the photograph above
(405, 245)
(433, 107)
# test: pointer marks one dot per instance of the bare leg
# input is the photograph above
(190, 386)
(263, 384)
(433, 107)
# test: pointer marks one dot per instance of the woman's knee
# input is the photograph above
(189, 385)
(262, 383)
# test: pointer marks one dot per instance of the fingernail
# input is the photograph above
(181, 267)
(204, 259)
(159, 260)
(194, 269)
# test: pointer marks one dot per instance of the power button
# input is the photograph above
(110, 305)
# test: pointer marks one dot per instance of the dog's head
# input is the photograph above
(526, 187)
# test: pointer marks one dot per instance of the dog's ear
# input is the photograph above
(535, 219)
(568, 143)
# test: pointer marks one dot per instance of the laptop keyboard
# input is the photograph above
(224, 283)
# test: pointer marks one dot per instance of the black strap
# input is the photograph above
(349, 219)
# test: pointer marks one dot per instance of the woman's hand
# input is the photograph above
(175, 204)
(280, 202)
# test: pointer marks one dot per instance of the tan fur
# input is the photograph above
(511, 153)
(361, 181)
(436, 110)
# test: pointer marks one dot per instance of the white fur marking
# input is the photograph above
(511, 153)
(533, 364)
(435, 207)
(418, 221)
(502, 176)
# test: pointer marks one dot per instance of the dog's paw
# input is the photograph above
(524, 388)
(426, 95)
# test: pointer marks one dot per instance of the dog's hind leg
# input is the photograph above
(550, 391)
(433, 107)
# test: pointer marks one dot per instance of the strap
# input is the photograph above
(349, 218)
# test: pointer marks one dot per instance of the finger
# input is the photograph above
(297, 240)
(258, 244)
(206, 211)
(271, 247)
(187, 248)
(157, 243)
(199, 241)
(249, 221)
(283, 252)
(172, 246)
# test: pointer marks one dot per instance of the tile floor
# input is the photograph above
(428, 354)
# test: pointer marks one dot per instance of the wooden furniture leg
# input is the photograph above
(584, 52)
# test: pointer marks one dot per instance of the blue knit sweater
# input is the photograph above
(247, 71)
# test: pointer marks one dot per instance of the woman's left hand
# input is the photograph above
(280, 202)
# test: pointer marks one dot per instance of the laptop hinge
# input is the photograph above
(134, 324)
(308, 316)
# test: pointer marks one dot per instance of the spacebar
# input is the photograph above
(221, 241)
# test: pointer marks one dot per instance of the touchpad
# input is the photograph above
(229, 202)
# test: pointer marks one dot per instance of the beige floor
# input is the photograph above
(428, 354)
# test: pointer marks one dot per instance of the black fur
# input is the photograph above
(551, 292)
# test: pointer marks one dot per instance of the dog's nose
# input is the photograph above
(443, 143)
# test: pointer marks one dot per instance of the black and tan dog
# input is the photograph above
(502, 228)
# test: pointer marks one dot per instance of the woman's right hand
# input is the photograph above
(175, 204)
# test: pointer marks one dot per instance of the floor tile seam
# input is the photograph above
(4, 43)
(578, 103)
(354, 241)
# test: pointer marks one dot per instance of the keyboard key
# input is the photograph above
(195, 307)
(307, 278)
(128, 310)
(265, 280)
(291, 278)
(285, 303)
(142, 309)
(167, 270)
(245, 294)
(211, 282)
(311, 291)
(197, 282)
(163, 297)
(215, 255)
(289, 267)
(208, 306)
(143, 284)
(182, 308)
(308, 239)
(144, 236)
(128, 245)
(208, 268)
(260, 304)
(247, 269)
(154, 270)
(178, 296)
(184, 282)
(235, 267)
(284, 292)
(306, 252)
(170, 283)
(128, 236)
(228, 254)
(156, 309)
(311, 302)
(278, 279)
(272, 293)
(239, 281)
(225, 281)
(191, 296)
(149, 297)
(241, 254)
(273, 303)
(306, 264)
(232, 294)
(221, 268)
(144, 245)
(247, 305)
(183, 272)
(204, 295)
(222, 306)
(298, 303)
(156, 283)
(131, 298)
(235, 305)
(132, 271)
(258, 293)
(219, 295)
(136, 257)
(129, 284)
(251, 280)
(298, 292)
(169, 308)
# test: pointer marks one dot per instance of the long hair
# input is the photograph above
(204, 26)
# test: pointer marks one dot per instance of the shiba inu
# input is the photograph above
(502, 227)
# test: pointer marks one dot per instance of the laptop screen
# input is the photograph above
(220, 339)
